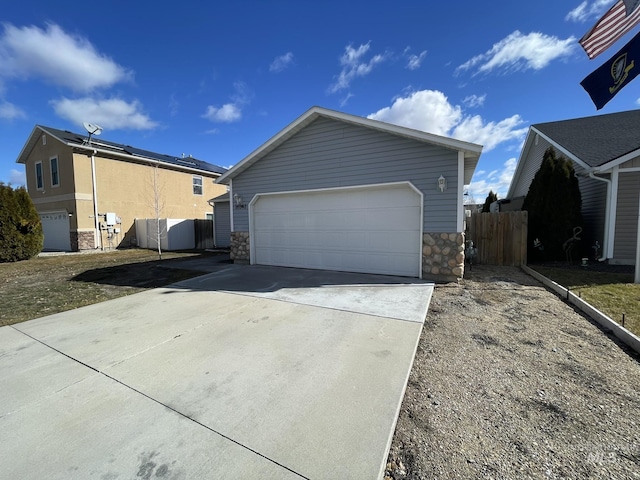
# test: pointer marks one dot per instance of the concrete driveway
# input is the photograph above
(249, 372)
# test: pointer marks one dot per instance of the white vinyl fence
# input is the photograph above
(175, 234)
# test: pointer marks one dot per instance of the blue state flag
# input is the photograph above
(605, 82)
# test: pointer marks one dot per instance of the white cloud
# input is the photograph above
(282, 62)
(498, 181)
(430, 111)
(9, 111)
(588, 10)
(473, 101)
(354, 65)
(174, 105)
(490, 134)
(520, 52)
(227, 113)
(62, 59)
(426, 110)
(415, 61)
(231, 111)
(113, 113)
(346, 99)
(242, 95)
(17, 177)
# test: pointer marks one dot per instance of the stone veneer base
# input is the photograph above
(239, 250)
(442, 254)
(82, 241)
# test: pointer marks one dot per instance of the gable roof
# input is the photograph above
(471, 150)
(225, 197)
(596, 143)
(77, 140)
(596, 140)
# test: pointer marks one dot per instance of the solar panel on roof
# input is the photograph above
(188, 162)
(72, 137)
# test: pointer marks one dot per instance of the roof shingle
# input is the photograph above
(599, 139)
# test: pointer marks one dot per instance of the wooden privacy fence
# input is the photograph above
(500, 238)
(203, 233)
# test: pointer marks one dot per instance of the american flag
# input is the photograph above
(613, 25)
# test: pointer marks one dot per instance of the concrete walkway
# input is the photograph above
(248, 372)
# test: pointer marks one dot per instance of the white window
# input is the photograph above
(39, 178)
(55, 176)
(44, 139)
(197, 185)
(208, 216)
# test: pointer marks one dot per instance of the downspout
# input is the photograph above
(607, 214)
(97, 236)
(231, 204)
(213, 220)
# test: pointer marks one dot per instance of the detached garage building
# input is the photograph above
(339, 192)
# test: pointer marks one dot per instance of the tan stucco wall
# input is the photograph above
(123, 187)
(127, 189)
(51, 198)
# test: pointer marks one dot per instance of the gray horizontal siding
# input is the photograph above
(222, 219)
(624, 247)
(530, 167)
(633, 163)
(329, 154)
(594, 206)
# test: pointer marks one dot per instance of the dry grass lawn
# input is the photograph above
(51, 284)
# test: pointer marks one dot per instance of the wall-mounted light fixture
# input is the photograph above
(442, 183)
(237, 201)
(70, 214)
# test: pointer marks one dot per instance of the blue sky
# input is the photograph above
(218, 79)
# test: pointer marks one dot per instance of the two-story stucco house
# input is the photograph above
(89, 192)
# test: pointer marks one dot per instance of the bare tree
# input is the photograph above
(158, 205)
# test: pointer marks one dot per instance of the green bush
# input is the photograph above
(554, 204)
(21, 234)
(492, 197)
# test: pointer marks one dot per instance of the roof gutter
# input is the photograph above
(151, 161)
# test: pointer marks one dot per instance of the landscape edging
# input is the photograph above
(621, 333)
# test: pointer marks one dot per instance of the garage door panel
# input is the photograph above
(55, 227)
(374, 229)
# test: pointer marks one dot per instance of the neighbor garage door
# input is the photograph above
(55, 226)
(373, 229)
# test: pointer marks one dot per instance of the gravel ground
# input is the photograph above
(510, 382)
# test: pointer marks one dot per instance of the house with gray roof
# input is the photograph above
(605, 151)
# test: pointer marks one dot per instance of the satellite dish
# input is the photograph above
(92, 129)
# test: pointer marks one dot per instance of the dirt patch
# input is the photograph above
(511, 382)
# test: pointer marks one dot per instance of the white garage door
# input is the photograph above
(55, 226)
(373, 229)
